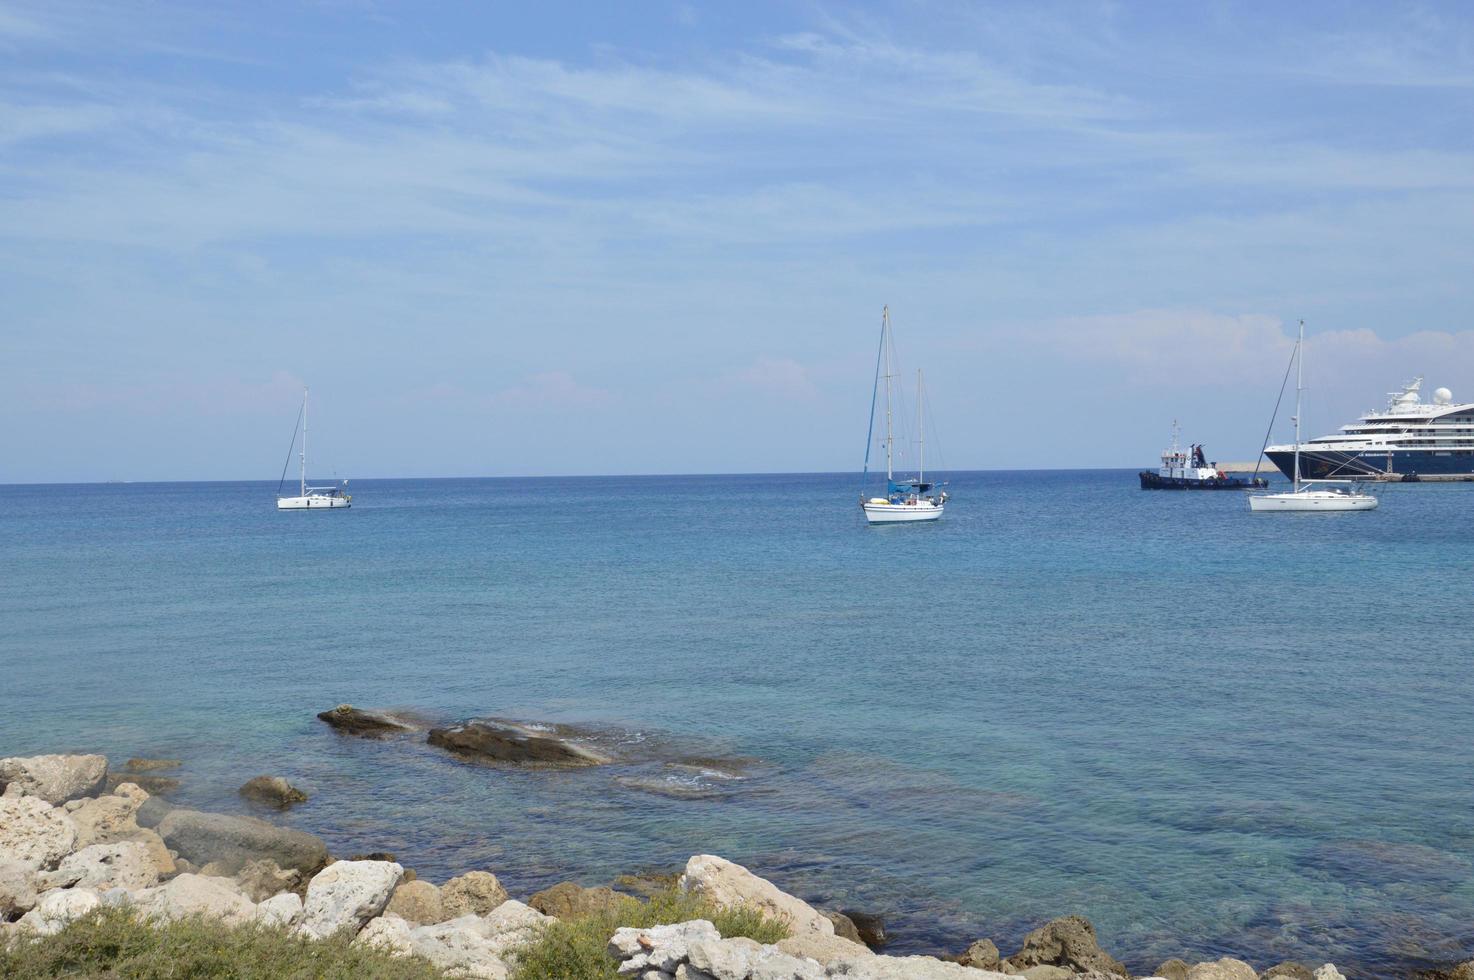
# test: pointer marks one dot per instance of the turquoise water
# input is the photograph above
(1207, 731)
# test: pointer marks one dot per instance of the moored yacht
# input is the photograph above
(310, 498)
(904, 500)
(1409, 437)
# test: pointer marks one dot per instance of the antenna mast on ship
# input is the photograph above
(920, 432)
(885, 332)
(304, 440)
(1299, 388)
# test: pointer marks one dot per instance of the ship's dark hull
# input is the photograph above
(1156, 481)
(1320, 464)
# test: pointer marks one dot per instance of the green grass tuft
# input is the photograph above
(577, 949)
(116, 944)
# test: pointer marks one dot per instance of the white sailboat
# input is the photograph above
(310, 498)
(1304, 497)
(905, 500)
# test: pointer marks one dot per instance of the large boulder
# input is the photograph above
(57, 908)
(503, 743)
(417, 902)
(54, 778)
(1288, 970)
(107, 818)
(34, 833)
(1068, 942)
(473, 893)
(119, 864)
(346, 895)
(18, 889)
(192, 894)
(728, 885)
(272, 791)
(345, 719)
(201, 838)
(982, 954)
(1328, 971)
(567, 900)
(1226, 968)
(662, 948)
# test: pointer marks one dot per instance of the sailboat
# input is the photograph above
(309, 498)
(1304, 497)
(905, 500)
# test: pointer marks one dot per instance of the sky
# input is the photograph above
(586, 238)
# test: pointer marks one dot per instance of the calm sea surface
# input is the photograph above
(1207, 731)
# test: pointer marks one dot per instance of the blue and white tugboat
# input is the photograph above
(1190, 470)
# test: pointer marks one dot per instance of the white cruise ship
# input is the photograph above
(1410, 437)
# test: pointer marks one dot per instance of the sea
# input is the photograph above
(1208, 731)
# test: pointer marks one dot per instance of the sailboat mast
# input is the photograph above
(304, 442)
(885, 329)
(1299, 388)
(920, 432)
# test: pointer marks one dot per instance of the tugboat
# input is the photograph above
(1191, 471)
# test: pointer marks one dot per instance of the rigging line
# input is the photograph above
(1275, 414)
(284, 466)
(870, 433)
(936, 435)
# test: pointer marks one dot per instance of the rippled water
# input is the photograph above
(1207, 731)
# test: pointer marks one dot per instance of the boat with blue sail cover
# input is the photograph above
(905, 500)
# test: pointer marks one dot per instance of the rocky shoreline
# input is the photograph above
(75, 837)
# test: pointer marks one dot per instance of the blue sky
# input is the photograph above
(603, 238)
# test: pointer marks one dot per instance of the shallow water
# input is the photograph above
(1207, 731)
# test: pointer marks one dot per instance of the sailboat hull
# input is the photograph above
(313, 501)
(1311, 501)
(889, 513)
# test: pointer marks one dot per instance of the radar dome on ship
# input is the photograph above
(1443, 396)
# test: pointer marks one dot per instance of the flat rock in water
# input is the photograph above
(272, 791)
(345, 719)
(153, 785)
(201, 838)
(150, 765)
(505, 743)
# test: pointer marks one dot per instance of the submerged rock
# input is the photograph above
(272, 791)
(155, 785)
(727, 884)
(348, 720)
(1068, 942)
(844, 926)
(150, 765)
(871, 927)
(509, 744)
(54, 778)
(202, 838)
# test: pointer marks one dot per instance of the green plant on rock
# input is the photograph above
(577, 949)
(115, 943)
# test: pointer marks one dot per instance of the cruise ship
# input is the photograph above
(1410, 437)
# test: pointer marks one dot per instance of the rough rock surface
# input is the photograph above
(347, 894)
(1287, 970)
(567, 900)
(844, 926)
(192, 894)
(659, 948)
(151, 765)
(1045, 971)
(507, 744)
(417, 902)
(1173, 969)
(470, 945)
(870, 926)
(280, 910)
(17, 889)
(272, 791)
(262, 879)
(1328, 971)
(54, 778)
(473, 893)
(117, 864)
(824, 949)
(201, 838)
(1226, 968)
(727, 884)
(348, 720)
(982, 954)
(1068, 942)
(57, 908)
(34, 833)
(156, 785)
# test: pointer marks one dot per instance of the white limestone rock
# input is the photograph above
(744, 959)
(824, 949)
(192, 894)
(57, 908)
(727, 884)
(121, 864)
(34, 833)
(460, 947)
(659, 948)
(18, 889)
(280, 910)
(54, 778)
(388, 932)
(347, 894)
(1226, 968)
(909, 968)
(1329, 972)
